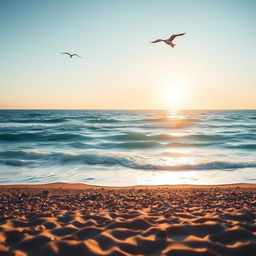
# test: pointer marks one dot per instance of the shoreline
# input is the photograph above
(64, 185)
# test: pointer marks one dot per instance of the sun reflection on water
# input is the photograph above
(175, 114)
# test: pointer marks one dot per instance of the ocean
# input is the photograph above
(123, 148)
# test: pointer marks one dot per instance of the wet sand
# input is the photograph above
(76, 219)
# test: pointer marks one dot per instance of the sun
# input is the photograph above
(174, 97)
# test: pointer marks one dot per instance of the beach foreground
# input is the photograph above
(76, 219)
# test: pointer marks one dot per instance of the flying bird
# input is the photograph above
(169, 41)
(71, 55)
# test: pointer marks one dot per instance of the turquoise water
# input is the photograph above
(127, 147)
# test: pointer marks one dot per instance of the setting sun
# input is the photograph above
(174, 97)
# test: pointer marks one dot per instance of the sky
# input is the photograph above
(211, 67)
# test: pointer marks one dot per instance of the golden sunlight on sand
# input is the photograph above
(75, 219)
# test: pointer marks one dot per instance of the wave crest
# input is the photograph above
(20, 158)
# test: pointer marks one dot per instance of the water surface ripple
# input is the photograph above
(127, 147)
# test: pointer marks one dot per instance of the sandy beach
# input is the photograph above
(76, 219)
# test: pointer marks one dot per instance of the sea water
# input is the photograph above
(122, 148)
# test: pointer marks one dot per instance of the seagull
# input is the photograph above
(169, 41)
(71, 55)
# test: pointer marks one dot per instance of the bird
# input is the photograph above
(71, 55)
(169, 41)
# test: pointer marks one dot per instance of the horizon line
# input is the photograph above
(127, 109)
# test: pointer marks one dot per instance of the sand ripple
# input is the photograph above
(147, 221)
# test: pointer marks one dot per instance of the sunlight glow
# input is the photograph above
(174, 97)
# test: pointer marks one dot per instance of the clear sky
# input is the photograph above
(212, 67)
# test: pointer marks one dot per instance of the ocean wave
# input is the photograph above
(12, 137)
(129, 140)
(121, 145)
(243, 146)
(37, 114)
(14, 162)
(196, 137)
(140, 137)
(129, 136)
(131, 145)
(34, 120)
(126, 161)
(166, 119)
(165, 136)
(102, 120)
(231, 126)
(80, 145)
(195, 144)
(171, 125)
(24, 155)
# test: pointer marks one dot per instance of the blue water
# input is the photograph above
(127, 147)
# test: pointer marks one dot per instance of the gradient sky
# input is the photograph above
(214, 63)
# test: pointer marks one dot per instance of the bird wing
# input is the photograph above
(175, 35)
(157, 41)
(66, 53)
(76, 55)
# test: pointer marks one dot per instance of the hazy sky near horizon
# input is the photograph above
(214, 63)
